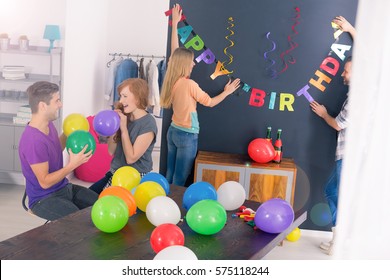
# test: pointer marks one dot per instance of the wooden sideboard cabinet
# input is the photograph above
(260, 181)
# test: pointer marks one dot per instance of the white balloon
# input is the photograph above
(175, 252)
(231, 195)
(163, 210)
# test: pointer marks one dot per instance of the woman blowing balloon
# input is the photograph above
(133, 143)
(182, 94)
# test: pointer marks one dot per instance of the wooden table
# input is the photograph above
(76, 237)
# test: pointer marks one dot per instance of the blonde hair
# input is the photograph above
(179, 66)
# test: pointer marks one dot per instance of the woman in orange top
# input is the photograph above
(182, 94)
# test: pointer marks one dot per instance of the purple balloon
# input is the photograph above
(274, 216)
(106, 122)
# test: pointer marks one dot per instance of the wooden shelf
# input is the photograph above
(260, 181)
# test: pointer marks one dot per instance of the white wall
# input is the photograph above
(90, 30)
(25, 17)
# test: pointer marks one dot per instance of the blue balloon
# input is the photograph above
(158, 178)
(198, 191)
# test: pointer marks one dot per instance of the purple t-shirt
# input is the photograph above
(37, 147)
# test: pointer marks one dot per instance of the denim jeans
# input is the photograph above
(332, 190)
(65, 201)
(182, 149)
(102, 183)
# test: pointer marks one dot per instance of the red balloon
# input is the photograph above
(261, 150)
(166, 235)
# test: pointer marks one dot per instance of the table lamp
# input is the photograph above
(52, 33)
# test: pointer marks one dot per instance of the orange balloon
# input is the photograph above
(124, 194)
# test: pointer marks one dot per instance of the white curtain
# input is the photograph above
(363, 222)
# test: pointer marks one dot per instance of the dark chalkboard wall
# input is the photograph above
(230, 126)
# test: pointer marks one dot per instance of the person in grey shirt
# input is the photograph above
(133, 143)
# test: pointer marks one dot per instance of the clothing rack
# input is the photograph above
(115, 55)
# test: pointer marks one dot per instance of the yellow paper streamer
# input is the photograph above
(230, 56)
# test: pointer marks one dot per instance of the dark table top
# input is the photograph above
(76, 237)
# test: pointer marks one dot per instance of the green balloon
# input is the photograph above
(110, 214)
(206, 217)
(78, 139)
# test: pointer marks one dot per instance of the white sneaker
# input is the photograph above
(325, 245)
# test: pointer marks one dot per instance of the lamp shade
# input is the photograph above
(52, 32)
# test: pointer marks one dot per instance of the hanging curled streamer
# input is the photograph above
(230, 20)
(292, 44)
(272, 72)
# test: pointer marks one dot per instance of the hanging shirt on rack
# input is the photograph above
(154, 91)
(110, 74)
(128, 68)
(162, 69)
(141, 69)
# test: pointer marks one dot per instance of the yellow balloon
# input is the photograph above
(126, 177)
(145, 192)
(294, 235)
(75, 122)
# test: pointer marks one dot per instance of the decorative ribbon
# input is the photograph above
(292, 44)
(271, 72)
(230, 56)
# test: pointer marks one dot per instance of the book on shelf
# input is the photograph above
(11, 72)
(14, 76)
(24, 114)
(13, 68)
(21, 120)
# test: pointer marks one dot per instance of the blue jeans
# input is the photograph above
(102, 183)
(182, 149)
(332, 190)
(65, 201)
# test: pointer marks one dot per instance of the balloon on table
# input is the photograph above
(198, 191)
(176, 252)
(261, 150)
(163, 210)
(126, 177)
(206, 217)
(274, 215)
(166, 235)
(158, 178)
(106, 122)
(231, 195)
(75, 122)
(110, 214)
(145, 192)
(294, 235)
(78, 139)
(122, 193)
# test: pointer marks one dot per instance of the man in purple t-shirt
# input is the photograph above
(50, 194)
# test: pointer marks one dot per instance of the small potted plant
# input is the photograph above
(23, 43)
(4, 41)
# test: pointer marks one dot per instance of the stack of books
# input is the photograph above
(23, 116)
(14, 72)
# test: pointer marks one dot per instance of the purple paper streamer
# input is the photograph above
(272, 72)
